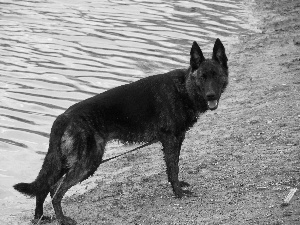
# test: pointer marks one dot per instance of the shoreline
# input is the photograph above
(247, 157)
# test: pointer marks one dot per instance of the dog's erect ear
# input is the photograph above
(196, 56)
(219, 53)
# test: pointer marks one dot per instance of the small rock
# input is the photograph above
(290, 144)
(296, 41)
(287, 213)
(261, 188)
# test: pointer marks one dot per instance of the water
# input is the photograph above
(54, 53)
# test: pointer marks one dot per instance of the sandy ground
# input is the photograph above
(240, 160)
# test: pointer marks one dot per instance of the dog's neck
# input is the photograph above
(194, 92)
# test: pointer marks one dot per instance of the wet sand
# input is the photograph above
(240, 160)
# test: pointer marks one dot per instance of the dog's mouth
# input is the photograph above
(212, 104)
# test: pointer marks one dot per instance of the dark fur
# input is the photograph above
(161, 107)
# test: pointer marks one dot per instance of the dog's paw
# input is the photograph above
(184, 184)
(185, 193)
(66, 221)
(179, 192)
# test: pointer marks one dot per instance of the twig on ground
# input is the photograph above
(289, 197)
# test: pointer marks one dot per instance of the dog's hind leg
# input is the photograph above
(171, 148)
(80, 170)
(40, 198)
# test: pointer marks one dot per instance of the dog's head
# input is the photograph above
(209, 76)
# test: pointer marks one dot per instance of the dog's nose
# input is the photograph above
(211, 95)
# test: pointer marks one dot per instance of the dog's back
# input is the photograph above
(137, 111)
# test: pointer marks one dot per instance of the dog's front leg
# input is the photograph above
(171, 148)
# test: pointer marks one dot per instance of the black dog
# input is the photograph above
(161, 108)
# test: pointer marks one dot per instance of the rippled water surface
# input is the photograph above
(54, 53)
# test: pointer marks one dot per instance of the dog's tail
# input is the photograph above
(52, 169)
(48, 175)
(30, 189)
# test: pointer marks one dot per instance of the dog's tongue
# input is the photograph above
(212, 104)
